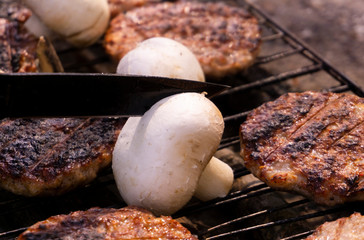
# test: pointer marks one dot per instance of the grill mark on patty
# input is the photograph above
(300, 126)
(16, 141)
(307, 139)
(313, 129)
(322, 159)
(346, 133)
(353, 184)
(297, 108)
(73, 155)
(50, 151)
(350, 145)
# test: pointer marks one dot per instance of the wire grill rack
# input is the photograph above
(252, 210)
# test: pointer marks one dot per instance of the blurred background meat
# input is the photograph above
(17, 45)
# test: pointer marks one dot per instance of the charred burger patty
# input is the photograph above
(53, 156)
(108, 223)
(225, 39)
(311, 143)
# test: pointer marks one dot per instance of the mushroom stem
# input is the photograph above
(216, 180)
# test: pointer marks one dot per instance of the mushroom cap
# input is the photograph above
(161, 56)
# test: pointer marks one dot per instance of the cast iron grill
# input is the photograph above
(252, 210)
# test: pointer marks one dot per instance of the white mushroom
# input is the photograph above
(80, 22)
(160, 56)
(38, 28)
(158, 158)
(165, 57)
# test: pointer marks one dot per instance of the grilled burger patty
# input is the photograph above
(311, 143)
(225, 39)
(52, 156)
(108, 223)
(342, 229)
(17, 45)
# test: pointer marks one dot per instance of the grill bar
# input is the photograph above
(236, 196)
(273, 37)
(308, 52)
(12, 233)
(236, 116)
(267, 211)
(232, 141)
(276, 56)
(240, 172)
(273, 79)
(275, 223)
(299, 236)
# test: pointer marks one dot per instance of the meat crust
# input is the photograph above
(342, 229)
(108, 223)
(311, 143)
(51, 156)
(120, 6)
(225, 39)
(17, 45)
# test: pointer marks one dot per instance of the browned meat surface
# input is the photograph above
(52, 156)
(107, 223)
(225, 39)
(311, 143)
(119, 6)
(17, 45)
(342, 229)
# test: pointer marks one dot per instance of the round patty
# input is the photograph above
(311, 143)
(225, 39)
(55, 155)
(108, 223)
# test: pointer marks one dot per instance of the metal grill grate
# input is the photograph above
(255, 211)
